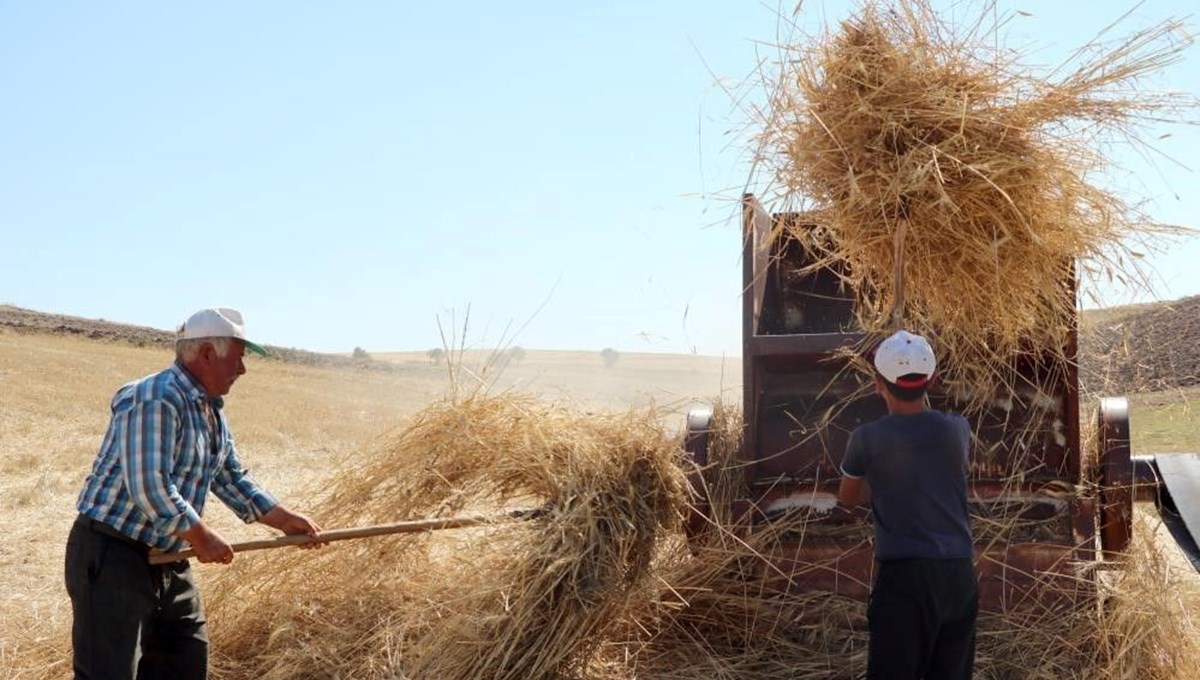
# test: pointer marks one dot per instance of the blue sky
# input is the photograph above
(349, 173)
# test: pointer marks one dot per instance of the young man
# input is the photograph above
(912, 467)
(167, 444)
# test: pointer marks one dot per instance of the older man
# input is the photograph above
(168, 443)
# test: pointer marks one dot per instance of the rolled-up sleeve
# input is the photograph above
(238, 490)
(146, 434)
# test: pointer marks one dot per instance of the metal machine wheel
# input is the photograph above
(1116, 476)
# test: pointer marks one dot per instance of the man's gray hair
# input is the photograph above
(188, 350)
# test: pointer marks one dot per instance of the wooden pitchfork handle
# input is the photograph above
(360, 532)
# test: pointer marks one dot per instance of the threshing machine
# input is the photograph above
(1037, 520)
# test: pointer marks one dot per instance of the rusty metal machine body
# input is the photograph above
(1036, 523)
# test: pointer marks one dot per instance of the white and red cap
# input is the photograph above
(217, 322)
(905, 354)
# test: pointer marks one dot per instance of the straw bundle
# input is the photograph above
(954, 186)
(721, 613)
(515, 600)
(1142, 626)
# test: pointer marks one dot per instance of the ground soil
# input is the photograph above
(1143, 348)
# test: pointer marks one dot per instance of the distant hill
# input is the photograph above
(1138, 348)
(1141, 348)
(28, 321)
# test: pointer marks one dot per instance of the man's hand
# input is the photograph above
(208, 544)
(292, 523)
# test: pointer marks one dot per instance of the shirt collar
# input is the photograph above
(193, 386)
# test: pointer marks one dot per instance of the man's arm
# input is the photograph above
(239, 491)
(208, 544)
(854, 491)
(147, 433)
(291, 523)
(242, 494)
(145, 439)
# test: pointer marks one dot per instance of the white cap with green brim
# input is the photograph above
(217, 322)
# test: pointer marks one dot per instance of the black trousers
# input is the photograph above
(922, 620)
(132, 621)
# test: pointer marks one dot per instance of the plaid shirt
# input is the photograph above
(167, 445)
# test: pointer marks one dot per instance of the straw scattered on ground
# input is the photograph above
(527, 600)
(604, 586)
(723, 609)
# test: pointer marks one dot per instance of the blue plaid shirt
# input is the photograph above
(167, 444)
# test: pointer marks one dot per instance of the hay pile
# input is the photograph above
(604, 587)
(516, 600)
(1143, 625)
(709, 622)
(957, 189)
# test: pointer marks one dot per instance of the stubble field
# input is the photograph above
(295, 424)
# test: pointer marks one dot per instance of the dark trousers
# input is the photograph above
(132, 621)
(922, 620)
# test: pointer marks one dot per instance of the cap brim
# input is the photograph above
(912, 382)
(256, 348)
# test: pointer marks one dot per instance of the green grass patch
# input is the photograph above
(1165, 422)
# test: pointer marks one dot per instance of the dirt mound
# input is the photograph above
(1143, 348)
(29, 321)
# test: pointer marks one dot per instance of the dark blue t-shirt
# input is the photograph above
(916, 466)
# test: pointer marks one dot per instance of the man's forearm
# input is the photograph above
(241, 494)
(290, 522)
(854, 491)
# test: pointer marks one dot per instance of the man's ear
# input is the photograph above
(207, 352)
(882, 390)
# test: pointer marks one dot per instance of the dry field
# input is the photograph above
(634, 380)
(290, 422)
(294, 424)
